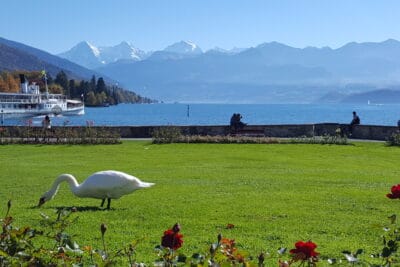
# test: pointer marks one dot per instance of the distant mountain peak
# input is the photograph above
(273, 44)
(90, 56)
(124, 44)
(184, 47)
(86, 47)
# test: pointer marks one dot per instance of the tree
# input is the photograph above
(11, 84)
(62, 80)
(2, 84)
(73, 90)
(101, 86)
(55, 88)
(101, 98)
(91, 99)
(92, 84)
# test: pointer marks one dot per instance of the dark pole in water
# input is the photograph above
(187, 113)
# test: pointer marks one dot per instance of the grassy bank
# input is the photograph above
(274, 195)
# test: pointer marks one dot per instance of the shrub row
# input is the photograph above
(393, 140)
(59, 135)
(173, 135)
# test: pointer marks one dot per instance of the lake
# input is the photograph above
(219, 114)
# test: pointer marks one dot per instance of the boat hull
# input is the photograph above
(24, 114)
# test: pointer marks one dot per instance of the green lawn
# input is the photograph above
(274, 194)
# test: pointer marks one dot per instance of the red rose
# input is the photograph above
(305, 250)
(395, 192)
(172, 238)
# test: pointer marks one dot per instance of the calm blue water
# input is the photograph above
(219, 114)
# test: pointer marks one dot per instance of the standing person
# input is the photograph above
(354, 121)
(46, 123)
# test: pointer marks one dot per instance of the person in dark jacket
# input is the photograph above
(354, 121)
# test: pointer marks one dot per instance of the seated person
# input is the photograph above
(355, 120)
(236, 122)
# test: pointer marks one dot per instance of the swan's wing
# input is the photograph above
(110, 184)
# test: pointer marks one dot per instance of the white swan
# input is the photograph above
(102, 185)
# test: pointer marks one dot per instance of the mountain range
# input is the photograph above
(90, 56)
(267, 73)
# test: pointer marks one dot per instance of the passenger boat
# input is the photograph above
(30, 102)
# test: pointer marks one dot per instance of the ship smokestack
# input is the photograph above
(24, 84)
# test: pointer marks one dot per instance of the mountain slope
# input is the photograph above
(28, 58)
(382, 96)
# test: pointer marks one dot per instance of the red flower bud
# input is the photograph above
(176, 228)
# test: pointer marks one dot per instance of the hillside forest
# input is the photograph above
(95, 92)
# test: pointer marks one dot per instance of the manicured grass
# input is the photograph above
(274, 195)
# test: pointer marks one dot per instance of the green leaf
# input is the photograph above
(3, 253)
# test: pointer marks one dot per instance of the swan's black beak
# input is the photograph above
(41, 201)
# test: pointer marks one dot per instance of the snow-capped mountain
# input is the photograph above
(123, 50)
(84, 54)
(184, 47)
(90, 56)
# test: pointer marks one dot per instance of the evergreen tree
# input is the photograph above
(50, 79)
(101, 86)
(73, 90)
(62, 80)
(92, 84)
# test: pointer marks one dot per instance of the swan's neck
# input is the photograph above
(73, 184)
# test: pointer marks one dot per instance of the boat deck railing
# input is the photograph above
(30, 98)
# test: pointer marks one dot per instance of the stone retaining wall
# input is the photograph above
(372, 132)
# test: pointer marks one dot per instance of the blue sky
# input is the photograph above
(57, 25)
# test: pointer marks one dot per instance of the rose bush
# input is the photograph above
(172, 238)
